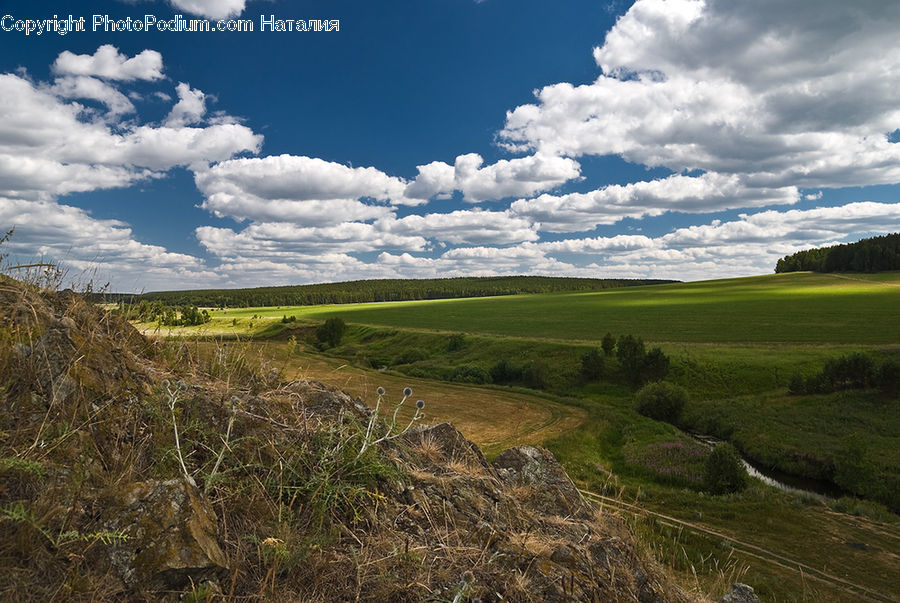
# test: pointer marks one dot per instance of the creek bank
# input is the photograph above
(818, 489)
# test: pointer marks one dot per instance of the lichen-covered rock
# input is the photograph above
(449, 442)
(536, 467)
(740, 593)
(170, 532)
(53, 356)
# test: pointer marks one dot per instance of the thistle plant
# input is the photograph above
(232, 411)
(370, 437)
(172, 391)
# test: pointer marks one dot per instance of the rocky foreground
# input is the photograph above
(142, 470)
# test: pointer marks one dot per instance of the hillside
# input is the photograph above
(778, 308)
(134, 470)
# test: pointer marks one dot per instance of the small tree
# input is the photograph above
(630, 352)
(656, 365)
(724, 472)
(592, 365)
(608, 344)
(661, 401)
(331, 332)
(456, 342)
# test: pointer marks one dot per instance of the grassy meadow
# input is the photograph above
(779, 308)
(733, 345)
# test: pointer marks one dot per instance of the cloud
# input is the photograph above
(107, 63)
(505, 178)
(749, 245)
(297, 189)
(211, 9)
(290, 243)
(758, 90)
(91, 88)
(468, 227)
(577, 212)
(190, 108)
(83, 243)
(51, 147)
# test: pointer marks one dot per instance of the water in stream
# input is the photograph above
(818, 489)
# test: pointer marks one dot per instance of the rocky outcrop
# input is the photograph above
(101, 509)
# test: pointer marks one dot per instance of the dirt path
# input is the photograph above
(745, 548)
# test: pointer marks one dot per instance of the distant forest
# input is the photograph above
(868, 255)
(377, 291)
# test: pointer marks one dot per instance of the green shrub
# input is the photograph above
(331, 332)
(592, 365)
(661, 401)
(505, 371)
(470, 373)
(724, 472)
(608, 344)
(411, 355)
(537, 374)
(630, 352)
(656, 365)
(456, 342)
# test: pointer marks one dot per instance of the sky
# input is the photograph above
(301, 141)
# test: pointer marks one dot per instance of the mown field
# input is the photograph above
(733, 344)
(781, 308)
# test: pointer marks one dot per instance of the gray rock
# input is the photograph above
(740, 593)
(536, 467)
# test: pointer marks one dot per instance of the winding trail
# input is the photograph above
(751, 550)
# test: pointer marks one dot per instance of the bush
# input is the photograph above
(630, 352)
(889, 377)
(331, 332)
(456, 342)
(411, 355)
(537, 374)
(724, 472)
(592, 365)
(656, 365)
(661, 401)
(852, 371)
(470, 373)
(608, 344)
(504, 371)
(796, 385)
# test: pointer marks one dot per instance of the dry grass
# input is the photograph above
(526, 420)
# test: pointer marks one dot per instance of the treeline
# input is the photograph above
(164, 315)
(868, 255)
(377, 291)
(636, 365)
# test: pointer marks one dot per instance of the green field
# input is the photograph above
(733, 344)
(783, 308)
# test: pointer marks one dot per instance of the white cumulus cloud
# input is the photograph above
(109, 64)
(211, 9)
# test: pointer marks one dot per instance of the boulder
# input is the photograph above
(740, 593)
(536, 467)
(170, 535)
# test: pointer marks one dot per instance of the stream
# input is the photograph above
(818, 489)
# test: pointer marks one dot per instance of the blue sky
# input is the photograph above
(683, 139)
